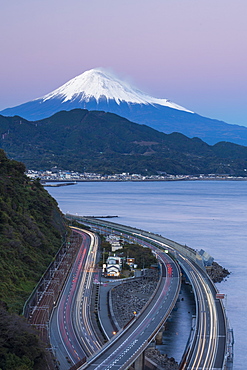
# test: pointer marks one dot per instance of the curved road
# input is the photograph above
(128, 344)
(208, 345)
(71, 334)
(71, 331)
(207, 348)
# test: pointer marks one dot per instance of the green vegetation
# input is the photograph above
(31, 228)
(105, 250)
(94, 141)
(20, 348)
(144, 257)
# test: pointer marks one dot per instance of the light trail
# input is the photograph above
(207, 347)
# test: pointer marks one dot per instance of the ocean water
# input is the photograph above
(209, 215)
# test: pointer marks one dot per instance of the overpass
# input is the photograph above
(129, 344)
(209, 346)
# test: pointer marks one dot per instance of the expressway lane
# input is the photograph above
(129, 343)
(71, 334)
(82, 303)
(207, 348)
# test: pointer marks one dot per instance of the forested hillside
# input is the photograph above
(31, 227)
(31, 230)
(93, 141)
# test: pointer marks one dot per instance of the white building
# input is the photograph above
(114, 240)
(113, 266)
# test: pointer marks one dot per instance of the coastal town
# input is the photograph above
(57, 175)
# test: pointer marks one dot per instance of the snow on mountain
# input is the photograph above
(99, 90)
(98, 84)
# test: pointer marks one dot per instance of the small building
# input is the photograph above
(207, 259)
(115, 246)
(130, 262)
(113, 266)
(114, 240)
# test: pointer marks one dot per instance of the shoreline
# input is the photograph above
(75, 181)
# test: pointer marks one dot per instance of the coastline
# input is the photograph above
(75, 181)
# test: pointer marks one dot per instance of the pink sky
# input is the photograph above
(191, 52)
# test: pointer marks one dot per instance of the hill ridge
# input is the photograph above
(93, 141)
(101, 91)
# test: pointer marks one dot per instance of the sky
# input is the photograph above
(193, 52)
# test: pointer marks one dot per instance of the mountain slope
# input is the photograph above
(94, 141)
(99, 85)
(31, 227)
(98, 90)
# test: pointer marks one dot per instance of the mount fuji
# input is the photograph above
(97, 89)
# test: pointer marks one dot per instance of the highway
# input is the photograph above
(207, 349)
(208, 345)
(129, 343)
(71, 335)
(81, 307)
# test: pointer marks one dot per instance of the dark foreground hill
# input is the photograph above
(102, 142)
(31, 227)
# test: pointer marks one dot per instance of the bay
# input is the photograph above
(209, 215)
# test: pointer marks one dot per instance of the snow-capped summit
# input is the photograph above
(99, 90)
(99, 84)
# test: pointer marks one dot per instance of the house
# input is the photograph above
(113, 266)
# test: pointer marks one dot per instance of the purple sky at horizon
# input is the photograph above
(191, 52)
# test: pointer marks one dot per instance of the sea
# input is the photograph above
(208, 215)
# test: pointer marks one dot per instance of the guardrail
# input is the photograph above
(40, 303)
(172, 298)
(185, 251)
